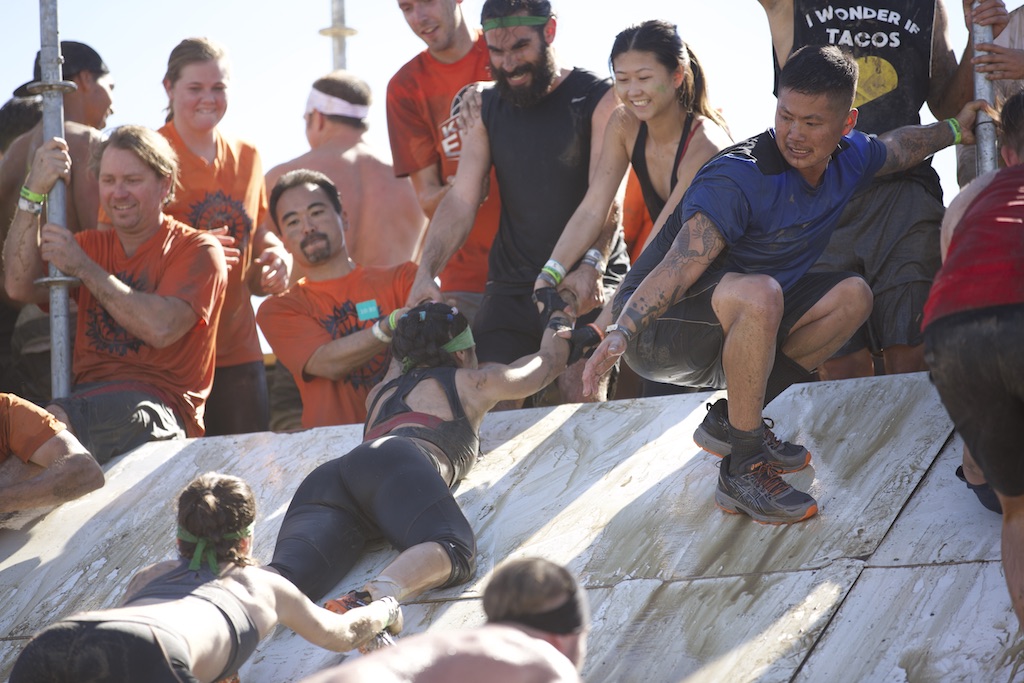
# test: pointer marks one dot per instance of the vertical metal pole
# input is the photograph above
(52, 89)
(338, 19)
(338, 32)
(985, 129)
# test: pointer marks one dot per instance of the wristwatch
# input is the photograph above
(626, 332)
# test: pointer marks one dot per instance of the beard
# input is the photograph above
(316, 247)
(542, 73)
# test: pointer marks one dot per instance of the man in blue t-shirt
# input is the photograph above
(723, 297)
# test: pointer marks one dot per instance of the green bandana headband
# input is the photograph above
(518, 20)
(463, 340)
(205, 548)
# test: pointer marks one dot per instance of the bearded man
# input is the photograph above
(541, 126)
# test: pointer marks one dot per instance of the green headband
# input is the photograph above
(518, 20)
(205, 548)
(463, 340)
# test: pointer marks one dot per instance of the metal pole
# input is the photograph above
(985, 129)
(338, 31)
(52, 88)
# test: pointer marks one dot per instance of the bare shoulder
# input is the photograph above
(624, 125)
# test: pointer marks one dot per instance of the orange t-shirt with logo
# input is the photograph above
(230, 192)
(24, 427)
(312, 314)
(176, 261)
(423, 100)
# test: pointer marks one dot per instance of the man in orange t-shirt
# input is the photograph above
(149, 301)
(423, 101)
(332, 329)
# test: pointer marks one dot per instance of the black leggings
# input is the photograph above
(116, 651)
(387, 487)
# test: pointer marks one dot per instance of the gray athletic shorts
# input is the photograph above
(889, 235)
(112, 418)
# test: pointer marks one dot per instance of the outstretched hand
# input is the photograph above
(582, 342)
(423, 290)
(603, 360)
(548, 303)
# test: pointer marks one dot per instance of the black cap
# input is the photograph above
(78, 57)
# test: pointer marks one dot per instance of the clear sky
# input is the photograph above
(276, 52)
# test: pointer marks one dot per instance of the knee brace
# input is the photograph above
(462, 553)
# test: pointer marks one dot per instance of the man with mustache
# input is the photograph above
(332, 328)
(540, 126)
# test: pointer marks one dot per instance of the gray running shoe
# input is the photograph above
(713, 436)
(762, 494)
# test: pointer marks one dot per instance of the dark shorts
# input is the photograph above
(386, 488)
(238, 402)
(508, 327)
(684, 345)
(890, 236)
(112, 418)
(976, 360)
(71, 651)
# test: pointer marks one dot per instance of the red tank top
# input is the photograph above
(984, 266)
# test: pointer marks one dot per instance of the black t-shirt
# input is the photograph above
(541, 156)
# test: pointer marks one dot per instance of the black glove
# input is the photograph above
(548, 301)
(583, 342)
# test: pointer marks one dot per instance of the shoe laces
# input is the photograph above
(767, 476)
(769, 436)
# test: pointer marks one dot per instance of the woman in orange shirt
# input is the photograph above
(222, 191)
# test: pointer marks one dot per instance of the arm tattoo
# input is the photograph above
(696, 246)
(910, 145)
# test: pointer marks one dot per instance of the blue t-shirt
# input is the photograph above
(773, 222)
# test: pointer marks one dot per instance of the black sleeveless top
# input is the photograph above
(655, 204)
(456, 437)
(182, 581)
(892, 43)
(541, 157)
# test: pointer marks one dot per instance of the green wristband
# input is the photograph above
(958, 133)
(32, 196)
(391, 320)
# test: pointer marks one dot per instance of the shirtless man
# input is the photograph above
(383, 221)
(536, 631)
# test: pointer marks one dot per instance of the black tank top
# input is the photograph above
(541, 156)
(655, 204)
(456, 437)
(203, 584)
(892, 42)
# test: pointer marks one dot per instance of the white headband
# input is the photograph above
(334, 106)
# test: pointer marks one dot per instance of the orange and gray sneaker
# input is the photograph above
(760, 492)
(354, 599)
